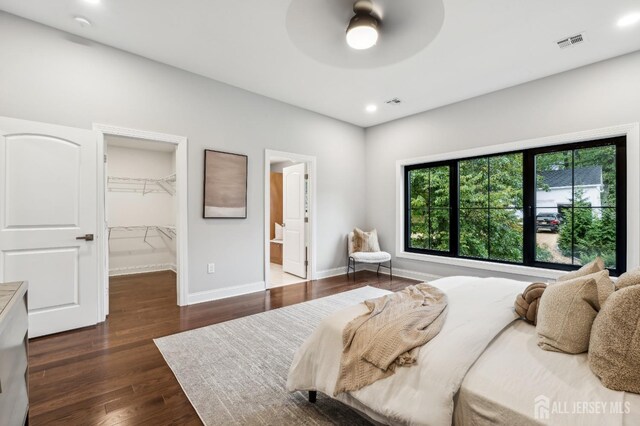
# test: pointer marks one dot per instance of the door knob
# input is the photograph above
(86, 237)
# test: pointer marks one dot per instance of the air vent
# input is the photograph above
(570, 41)
(394, 101)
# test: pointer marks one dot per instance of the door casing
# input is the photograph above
(311, 238)
(182, 228)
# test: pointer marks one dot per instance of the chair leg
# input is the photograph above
(312, 396)
(390, 272)
(378, 271)
(348, 266)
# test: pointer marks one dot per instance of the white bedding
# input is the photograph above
(421, 394)
(501, 387)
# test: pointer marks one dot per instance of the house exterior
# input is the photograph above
(558, 184)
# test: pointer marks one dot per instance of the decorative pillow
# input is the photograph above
(628, 279)
(614, 351)
(605, 286)
(365, 241)
(567, 309)
(590, 268)
(526, 304)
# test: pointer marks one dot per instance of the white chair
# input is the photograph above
(366, 257)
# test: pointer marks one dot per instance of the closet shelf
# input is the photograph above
(166, 230)
(142, 185)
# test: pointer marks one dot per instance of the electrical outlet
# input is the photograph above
(211, 268)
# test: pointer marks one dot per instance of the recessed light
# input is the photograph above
(84, 22)
(371, 108)
(628, 20)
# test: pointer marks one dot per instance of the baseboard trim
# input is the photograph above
(331, 272)
(223, 293)
(133, 270)
(402, 273)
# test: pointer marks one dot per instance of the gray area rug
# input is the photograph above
(235, 373)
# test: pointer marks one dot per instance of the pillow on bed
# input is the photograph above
(567, 309)
(590, 268)
(614, 351)
(628, 279)
(365, 241)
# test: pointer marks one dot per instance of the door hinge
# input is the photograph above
(306, 175)
(105, 158)
(306, 220)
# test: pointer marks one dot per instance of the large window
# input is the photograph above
(555, 207)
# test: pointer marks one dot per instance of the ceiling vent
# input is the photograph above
(394, 101)
(570, 41)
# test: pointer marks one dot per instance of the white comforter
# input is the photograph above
(422, 394)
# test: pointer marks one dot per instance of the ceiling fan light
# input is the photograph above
(362, 32)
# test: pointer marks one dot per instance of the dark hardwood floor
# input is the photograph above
(113, 373)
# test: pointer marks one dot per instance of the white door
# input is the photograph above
(294, 250)
(48, 186)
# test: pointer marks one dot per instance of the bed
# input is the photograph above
(484, 368)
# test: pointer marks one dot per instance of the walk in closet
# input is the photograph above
(140, 206)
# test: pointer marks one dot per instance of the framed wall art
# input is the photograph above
(225, 185)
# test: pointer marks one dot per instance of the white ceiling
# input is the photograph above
(483, 46)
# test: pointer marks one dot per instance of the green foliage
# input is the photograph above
(587, 231)
(543, 254)
(430, 208)
(490, 208)
(491, 205)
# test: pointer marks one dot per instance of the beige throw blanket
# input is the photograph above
(389, 335)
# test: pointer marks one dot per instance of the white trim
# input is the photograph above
(631, 131)
(312, 171)
(182, 227)
(528, 271)
(223, 293)
(342, 270)
(143, 269)
(402, 273)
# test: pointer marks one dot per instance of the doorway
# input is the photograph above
(140, 207)
(143, 206)
(289, 218)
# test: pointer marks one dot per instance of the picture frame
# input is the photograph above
(225, 185)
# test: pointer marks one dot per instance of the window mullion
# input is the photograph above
(621, 207)
(529, 214)
(454, 209)
(488, 208)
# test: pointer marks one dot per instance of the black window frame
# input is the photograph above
(528, 199)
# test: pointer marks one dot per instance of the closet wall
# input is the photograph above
(141, 210)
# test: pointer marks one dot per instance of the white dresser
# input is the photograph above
(14, 373)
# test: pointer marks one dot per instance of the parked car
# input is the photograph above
(548, 222)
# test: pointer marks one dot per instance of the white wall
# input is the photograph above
(596, 96)
(51, 76)
(128, 251)
(548, 201)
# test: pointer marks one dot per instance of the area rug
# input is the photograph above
(235, 373)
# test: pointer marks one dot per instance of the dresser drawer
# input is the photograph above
(14, 400)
